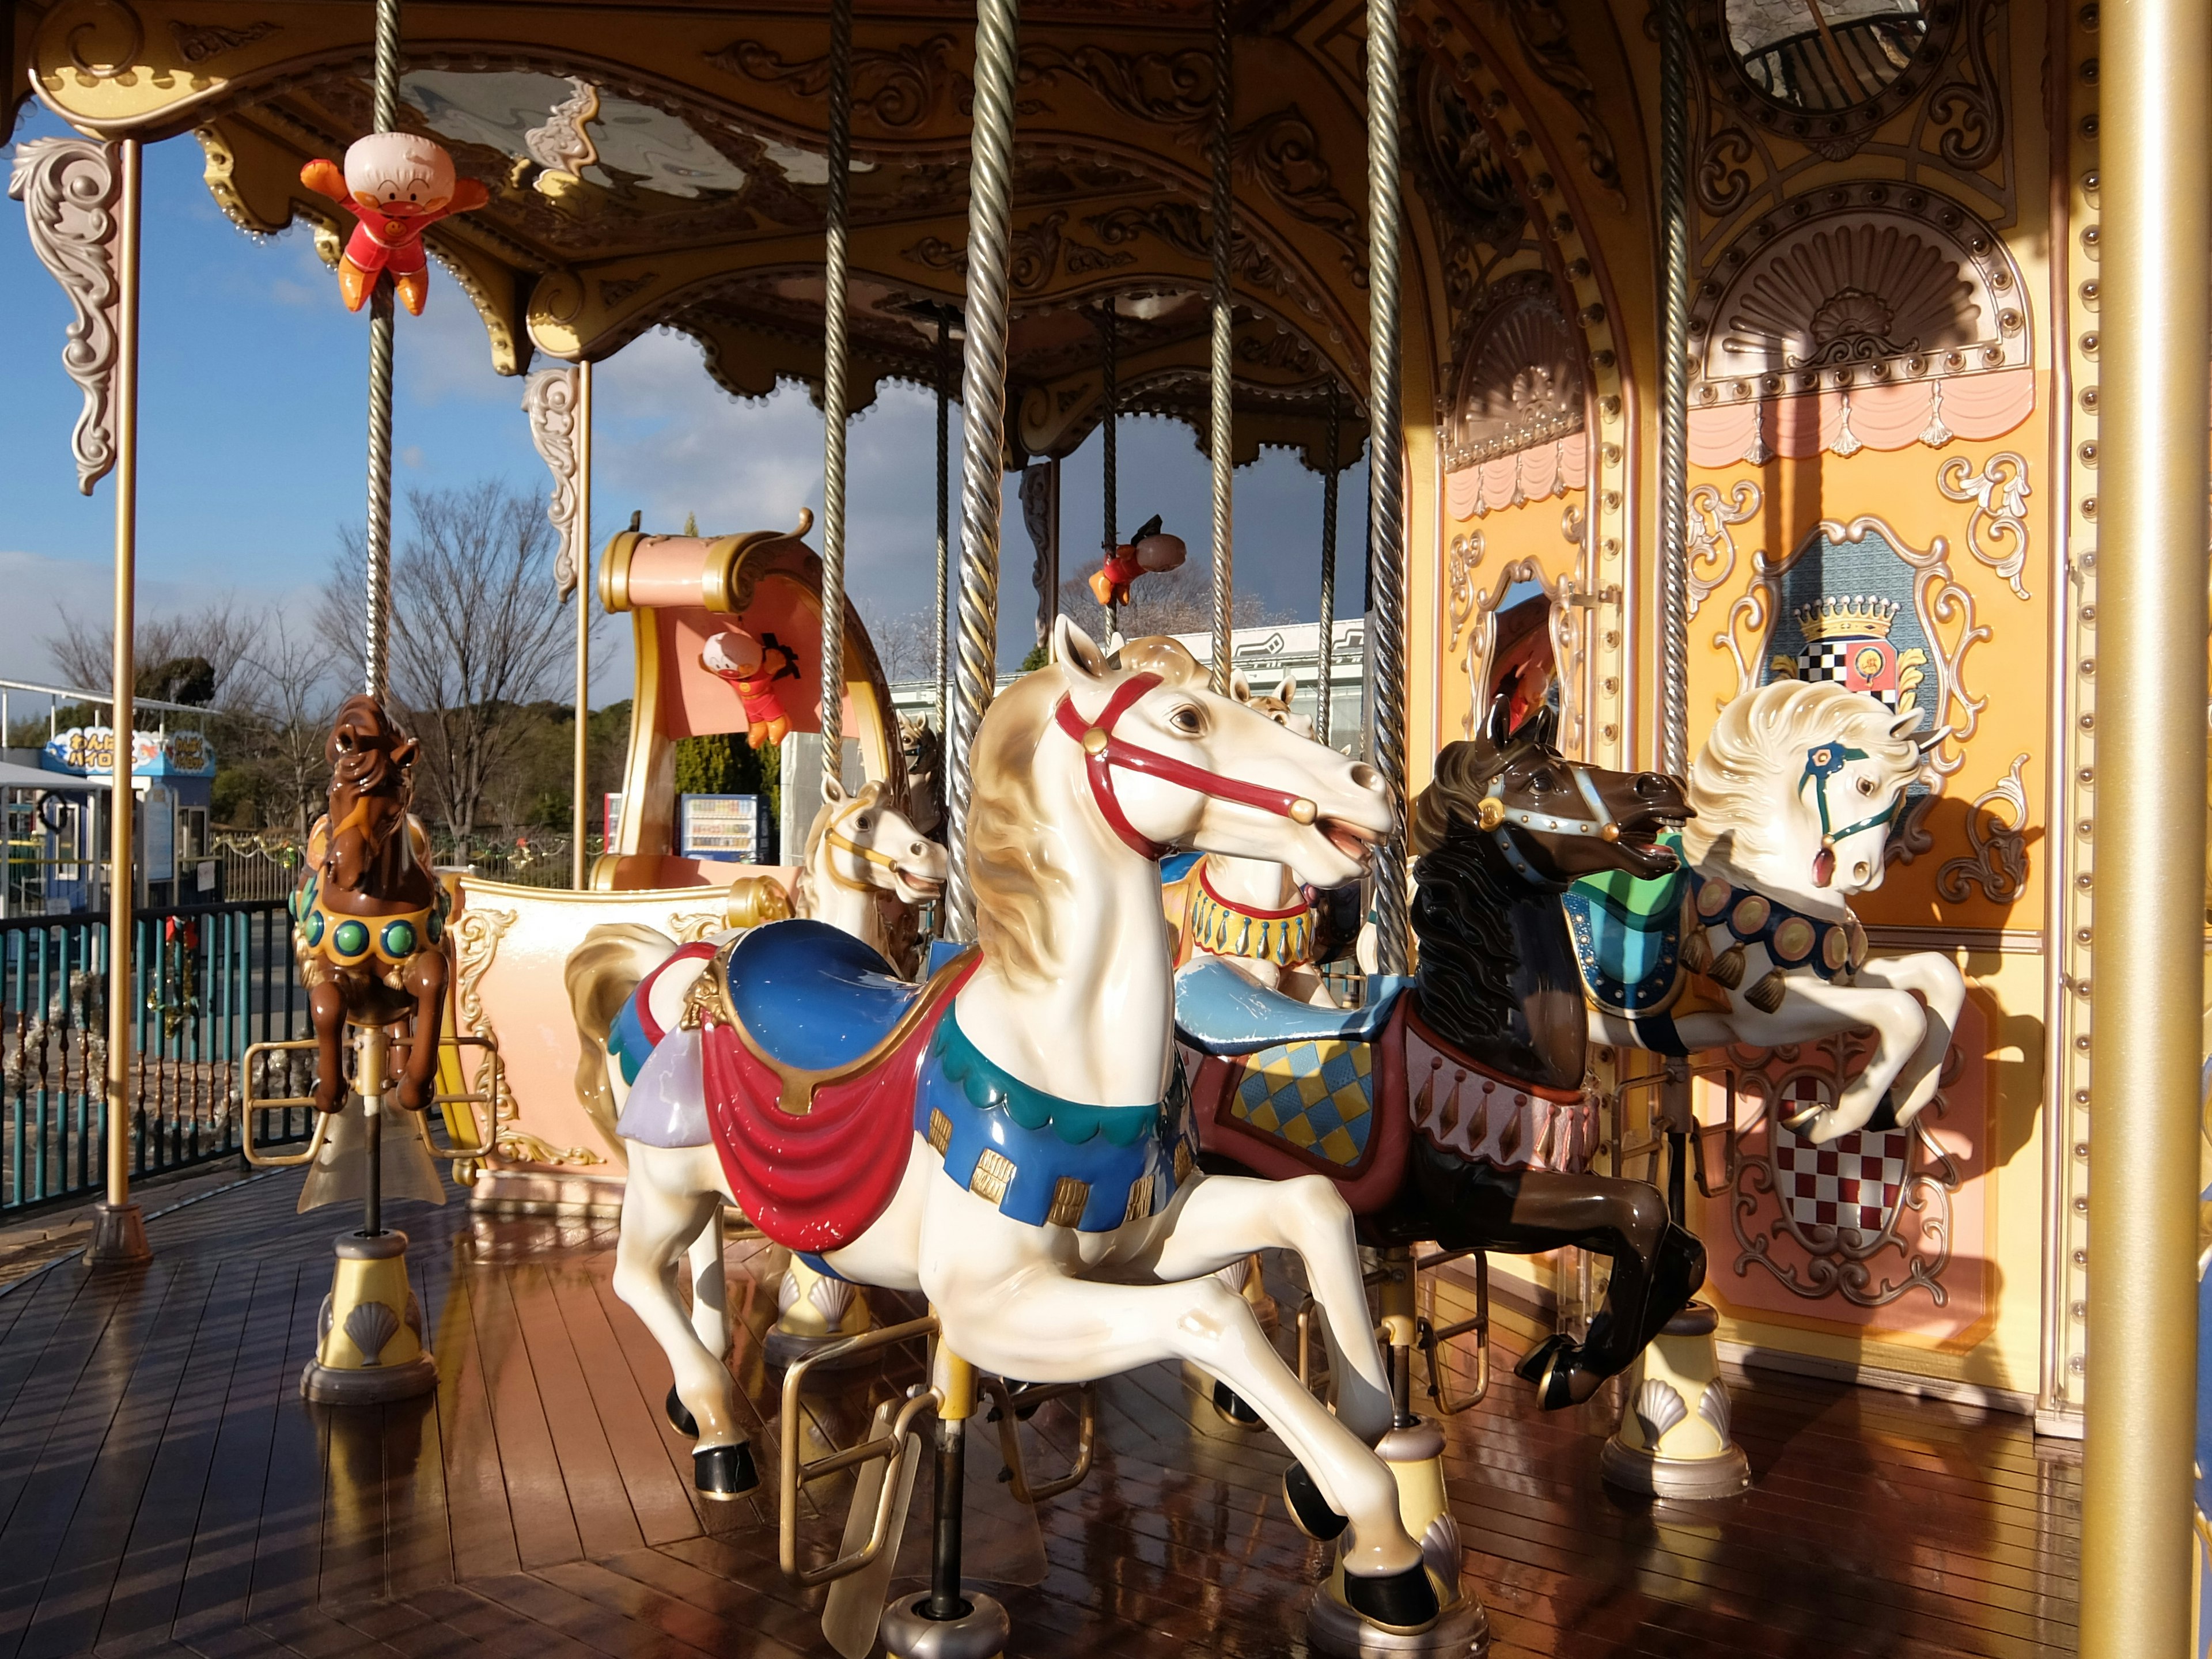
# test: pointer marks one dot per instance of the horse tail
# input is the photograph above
(601, 975)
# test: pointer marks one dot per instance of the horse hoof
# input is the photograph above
(679, 1415)
(1883, 1117)
(1544, 1365)
(1309, 1511)
(724, 1472)
(1403, 1603)
(1231, 1406)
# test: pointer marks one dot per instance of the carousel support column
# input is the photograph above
(983, 417)
(1222, 368)
(119, 1234)
(947, 1620)
(1326, 668)
(1109, 364)
(580, 867)
(1386, 490)
(836, 396)
(2146, 959)
(1674, 1438)
(1414, 1450)
(943, 530)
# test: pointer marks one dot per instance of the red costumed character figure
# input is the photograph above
(753, 668)
(1151, 550)
(395, 185)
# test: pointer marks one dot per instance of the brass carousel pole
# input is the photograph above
(118, 1233)
(1332, 435)
(2146, 962)
(1110, 368)
(944, 536)
(1221, 367)
(983, 417)
(580, 867)
(836, 398)
(1386, 498)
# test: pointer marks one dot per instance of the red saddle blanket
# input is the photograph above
(814, 1159)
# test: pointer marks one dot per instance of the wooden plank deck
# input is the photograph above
(164, 1490)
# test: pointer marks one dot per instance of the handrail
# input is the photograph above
(252, 1103)
(793, 1473)
(1010, 1434)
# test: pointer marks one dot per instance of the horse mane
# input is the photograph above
(1460, 899)
(1009, 862)
(1756, 757)
(867, 795)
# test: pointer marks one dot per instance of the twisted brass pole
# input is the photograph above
(1673, 388)
(1111, 371)
(836, 396)
(983, 414)
(1221, 366)
(2147, 963)
(1386, 620)
(943, 530)
(580, 867)
(1332, 435)
(375, 646)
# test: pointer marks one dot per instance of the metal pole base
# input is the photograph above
(1674, 1438)
(118, 1236)
(368, 1340)
(1415, 1457)
(815, 1310)
(908, 1633)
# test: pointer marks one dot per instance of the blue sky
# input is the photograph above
(253, 428)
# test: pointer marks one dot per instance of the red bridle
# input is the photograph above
(1103, 751)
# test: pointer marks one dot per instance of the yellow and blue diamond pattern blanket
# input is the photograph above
(1316, 1097)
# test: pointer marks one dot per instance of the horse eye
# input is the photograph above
(1187, 720)
(861, 824)
(1866, 785)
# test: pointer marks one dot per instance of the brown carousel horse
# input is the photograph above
(1453, 1107)
(368, 917)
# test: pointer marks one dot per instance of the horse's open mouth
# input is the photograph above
(1353, 841)
(1639, 837)
(923, 887)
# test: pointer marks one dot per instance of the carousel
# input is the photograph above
(1601, 1162)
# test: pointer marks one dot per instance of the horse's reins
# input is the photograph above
(1492, 814)
(1103, 751)
(846, 843)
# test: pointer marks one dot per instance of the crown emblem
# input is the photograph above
(1855, 617)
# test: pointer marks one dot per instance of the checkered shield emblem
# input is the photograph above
(1856, 662)
(1853, 1183)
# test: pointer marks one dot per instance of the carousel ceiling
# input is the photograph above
(666, 167)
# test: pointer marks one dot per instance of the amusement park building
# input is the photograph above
(1874, 413)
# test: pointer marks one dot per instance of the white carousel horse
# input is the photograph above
(1254, 913)
(1004, 1139)
(1794, 793)
(861, 857)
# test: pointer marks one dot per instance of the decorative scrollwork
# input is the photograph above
(1541, 27)
(897, 90)
(563, 145)
(1566, 623)
(70, 188)
(1840, 1261)
(1459, 582)
(1172, 89)
(1723, 184)
(1711, 558)
(198, 42)
(1997, 532)
(1034, 253)
(476, 933)
(1969, 105)
(549, 398)
(1998, 864)
(1282, 154)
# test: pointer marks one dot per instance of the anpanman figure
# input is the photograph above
(395, 185)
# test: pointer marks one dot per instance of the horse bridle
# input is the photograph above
(1823, 763)
(846, 843)
(1103, 751)
(1491, 813)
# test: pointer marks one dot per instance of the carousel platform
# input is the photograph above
(164, 1490)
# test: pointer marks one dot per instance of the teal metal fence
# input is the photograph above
(208, 981)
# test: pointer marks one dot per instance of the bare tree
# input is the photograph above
(293, 697)
(1178, 601)
(905, 644)
(201, 658)
(478, 635)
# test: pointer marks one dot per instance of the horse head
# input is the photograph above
(1275, 704)
(371, 783)
(1553, 819)
(1798, 786)
(1170, 763)
(864, 842)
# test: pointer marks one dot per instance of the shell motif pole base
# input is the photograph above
(368, 1340)
(118, 1236)
(981, 1633)
(1673, 1439)
(1415, 1457)
(812, 1311)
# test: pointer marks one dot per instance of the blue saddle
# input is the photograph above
(1220, 1011)
(813, 997)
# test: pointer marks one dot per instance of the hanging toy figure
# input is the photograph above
(745, 663)
(395, 185)
(1152, 550)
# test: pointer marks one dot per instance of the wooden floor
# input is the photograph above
(163, 1489)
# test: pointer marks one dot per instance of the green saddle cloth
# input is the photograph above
(1628, 936)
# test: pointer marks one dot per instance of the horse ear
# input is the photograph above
(1288, 690)
(833, 791)
(1501, 711)
(1078, 654)
(1239, 686)
(403, 752)
(1542, 727)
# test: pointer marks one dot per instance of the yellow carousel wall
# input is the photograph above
(1893, 333)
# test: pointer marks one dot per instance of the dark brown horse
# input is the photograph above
(1463, 1120)
(369, 915)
